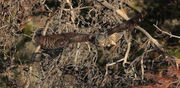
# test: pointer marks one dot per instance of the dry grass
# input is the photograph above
(121, 60)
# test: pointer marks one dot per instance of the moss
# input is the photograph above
(177, 53)
(28, 28)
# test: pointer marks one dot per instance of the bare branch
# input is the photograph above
(171, 35)
(150, 37)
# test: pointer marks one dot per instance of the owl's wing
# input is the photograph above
(61, 43)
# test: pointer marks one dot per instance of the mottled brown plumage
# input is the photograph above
(60, 40)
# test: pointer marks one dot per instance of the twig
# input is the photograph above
(127, 52)
(106, 4)
(46, 26)
(150, 38)
(142, 67)
(3, 26)
(111, 64)
(171, 35)
(73, 20)
(77, 53)
(120, 60)
(71, 11)
(53, 67)
(142, 59)
(78, 8)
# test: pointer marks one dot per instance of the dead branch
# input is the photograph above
(154, 41)
(164, 32)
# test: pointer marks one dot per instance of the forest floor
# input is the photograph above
(145, 55)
